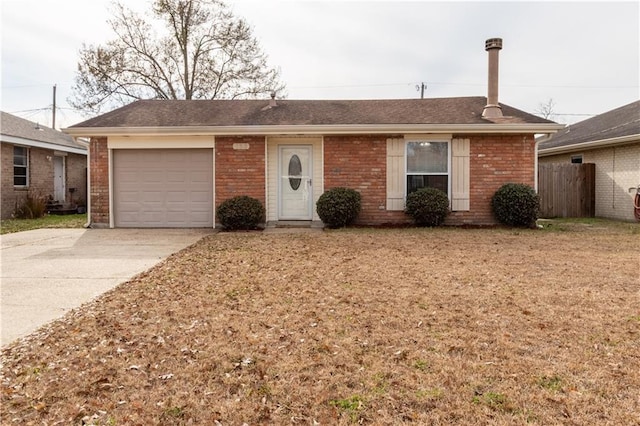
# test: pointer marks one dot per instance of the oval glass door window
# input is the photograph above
(295, 169)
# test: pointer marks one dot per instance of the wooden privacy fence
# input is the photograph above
(567, 190)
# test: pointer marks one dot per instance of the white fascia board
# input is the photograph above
(603, 143)
(346, 129)
(39, 144)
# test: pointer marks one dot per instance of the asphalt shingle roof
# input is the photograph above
(619, 122)
(160, 113)
(10, 125)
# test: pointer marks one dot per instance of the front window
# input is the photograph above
(20, 166)
(427, 165)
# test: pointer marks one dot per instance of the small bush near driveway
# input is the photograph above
(242, 212)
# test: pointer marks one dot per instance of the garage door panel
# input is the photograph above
(163, 188)
(129, 176)
(151, 197)
(176, 197)
(179, 177)
(152, 177)
(129, 197)
(198, 177)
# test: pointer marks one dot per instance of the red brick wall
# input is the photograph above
(240, 171)
(99, 180)
(360, 163)
(495, 160)
(357, 162)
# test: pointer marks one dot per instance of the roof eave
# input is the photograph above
(42, 144)
(315, 129)
(603, 143)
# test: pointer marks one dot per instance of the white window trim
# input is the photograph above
(13, 160)
(428, 138)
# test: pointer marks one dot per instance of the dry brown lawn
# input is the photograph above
(357, 326)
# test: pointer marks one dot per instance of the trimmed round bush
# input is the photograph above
(242, 212)
(516, 204)
(338, 207)
(427, 206)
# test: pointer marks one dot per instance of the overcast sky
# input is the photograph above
(582, 55)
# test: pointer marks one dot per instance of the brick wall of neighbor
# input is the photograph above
(240, 168)
(99, 181)
(40, 176)
(359, 162)
(76, 177)
(10, 195)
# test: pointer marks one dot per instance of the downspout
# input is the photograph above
(544, 138)
(88, 206)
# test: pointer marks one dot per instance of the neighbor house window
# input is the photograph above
(576, 159)
(20, 166)
(427, 165)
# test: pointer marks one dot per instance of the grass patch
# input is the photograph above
(493, 400)
(588, 224)
(553, 383)
(9, 226)
(351, 407)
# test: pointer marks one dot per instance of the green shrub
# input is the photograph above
(33, 207)
(242, 212)
(427, 206)
(516, 204)
(338, 207)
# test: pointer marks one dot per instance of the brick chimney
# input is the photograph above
(492, 109)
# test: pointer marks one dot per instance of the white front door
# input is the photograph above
(58, 179)
(295, 183)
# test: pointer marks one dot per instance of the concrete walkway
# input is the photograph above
(46, 272)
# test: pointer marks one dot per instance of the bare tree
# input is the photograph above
(547, 110)
(188, 49)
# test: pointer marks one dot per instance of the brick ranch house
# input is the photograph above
(170, 163)
(40, 161)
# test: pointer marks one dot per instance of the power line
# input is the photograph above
(442, 83)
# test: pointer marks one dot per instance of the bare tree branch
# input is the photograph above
(547, 110)
(183, 49)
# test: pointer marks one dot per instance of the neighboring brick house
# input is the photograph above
(40, 161)
(170, 163)
(612, 142)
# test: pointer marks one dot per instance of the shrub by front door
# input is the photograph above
(295, 190)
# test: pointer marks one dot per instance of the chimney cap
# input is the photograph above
(493, 43)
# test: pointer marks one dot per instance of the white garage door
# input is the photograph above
(163, 188)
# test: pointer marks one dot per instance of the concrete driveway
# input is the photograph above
(47, 272)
